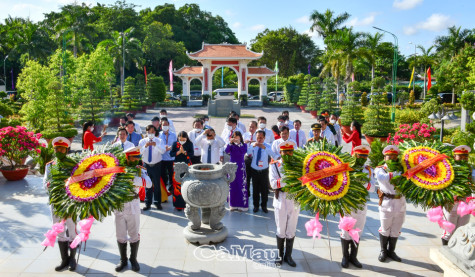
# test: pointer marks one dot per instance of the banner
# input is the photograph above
(412, 77)
(170, 71)
(429, 82)
(145, 71)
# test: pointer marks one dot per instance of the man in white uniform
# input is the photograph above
(286, 211)
(392, 205)
(361, 154)
(61, 145)
(460, 156)
(127, 221)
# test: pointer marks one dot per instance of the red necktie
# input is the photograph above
(298, 139)
(252, 135)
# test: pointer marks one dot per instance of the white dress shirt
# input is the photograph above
(216, 147)
(302, 139)
(127, 144)
(247, 136)
(338, 133)
(290, 123)
(226, 134)
(192, 135)
(138, 130)
(327, 133)
(263, 162)
(269, 136)
(275, 146)
(241, 126)
(157, 150)
(172, 127)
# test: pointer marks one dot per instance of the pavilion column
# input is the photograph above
(207, 78)
(186, 86)
(263, 87)
(242, 78)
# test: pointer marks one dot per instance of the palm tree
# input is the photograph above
(371, 44)
(125, 50)
(426, 59)
(325, 24)
(448, 46)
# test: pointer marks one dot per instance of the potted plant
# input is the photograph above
(184, 101)
(313, 98)
(205, 99)
(351, 110)
(16, 143)
(243, 100)
(377, 119)
(417, 132)
(328, 98)
(304, 92)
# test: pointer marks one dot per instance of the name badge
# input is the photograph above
(260, 164)
(197, 149)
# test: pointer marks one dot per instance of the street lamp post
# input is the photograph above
(394, 81)
(4, 72)
(415, 59)
(123, 64)
(64, 62)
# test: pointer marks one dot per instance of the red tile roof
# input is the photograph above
(260, 71)
(190, 70)
(225, 51)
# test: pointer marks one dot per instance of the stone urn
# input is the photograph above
(205, 187)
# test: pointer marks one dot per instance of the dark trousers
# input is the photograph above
(154, 171)
(260, 186)
(247, 162)
(167, 173)
(195, 159)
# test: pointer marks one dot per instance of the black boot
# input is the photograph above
(63, 249)
(123, 257)
(391, 248)
(280, 247)
(383, 241)
(289, 245)
(445, 242)
(354, 253)
(345, 244)
(72, 258)
(134, 248)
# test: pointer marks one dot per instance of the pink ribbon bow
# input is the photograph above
(85, 229)
(436, 215)
(53, 233)
(464, 209)
(347, 223)
(314, 227)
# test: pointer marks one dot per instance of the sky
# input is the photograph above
(413, 21)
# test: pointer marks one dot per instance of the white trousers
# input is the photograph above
(69, 232)
(127, 223)
(391, 223)
(360, 217)
(455, 219)
(286, 216)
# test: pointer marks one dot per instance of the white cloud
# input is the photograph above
(237, 25)
(435, 23)
(363, 22)
(304, 19)
(406, 4)
(229, 13)
(258, 27)
(310, 33)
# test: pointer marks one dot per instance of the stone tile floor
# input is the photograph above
(25, 217)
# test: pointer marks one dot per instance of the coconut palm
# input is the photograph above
(325, 24)
(448, 46)
(372, 43)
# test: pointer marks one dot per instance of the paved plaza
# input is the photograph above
(25, 217)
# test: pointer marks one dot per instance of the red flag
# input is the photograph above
(145, 71)
(170, 71)
(429, 82)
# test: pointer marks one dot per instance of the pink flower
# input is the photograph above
(412, 136)
(426, 135)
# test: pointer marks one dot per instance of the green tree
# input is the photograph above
(141, 93)
(156, 89)
(448, 46)
(328, 99)
(293, 51)
(130, 99)
(377, 117)
(372, 45)
(352, 110)
(313, 95)
(306, 87)
(325, 24)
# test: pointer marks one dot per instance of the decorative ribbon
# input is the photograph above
(436, 215)
(423, 165)
(324, 173)
(85, 228)
(314, 227)
(95, 173)
(347, 223)
(53, 233)
(465, 209)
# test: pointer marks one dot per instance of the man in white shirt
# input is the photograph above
(122, 139)
(152, 149)
(206, 125)
(262, 124)
(334, 123)
(240, 125)
(131, 117)
(298, 135)
(163, 113)
(326, 132)
(192, 135)
(249, 138)
(228, 131)
(210, 146)
(289, 122)
(260, 152)
(284, 136)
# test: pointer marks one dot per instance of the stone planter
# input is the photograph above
(314, 114)
(346, 129)
(370, 139)
(302, 108)
(205, 187)
(18, 173)
(115, 122)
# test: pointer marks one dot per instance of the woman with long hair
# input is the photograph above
(355, 136)
(238, 198)
(88, 138)
(276, 131)
(182, 150)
